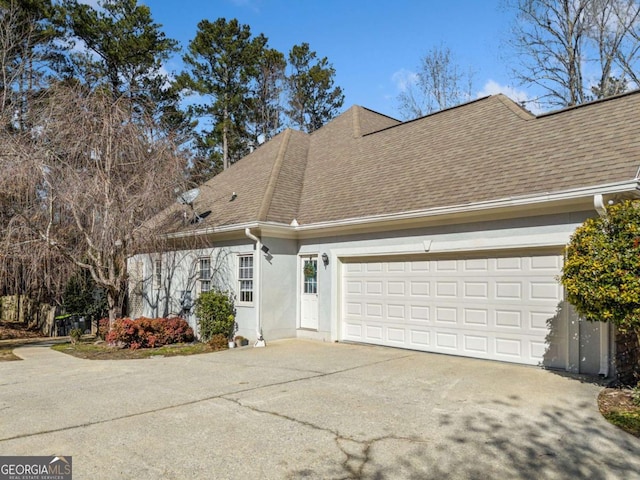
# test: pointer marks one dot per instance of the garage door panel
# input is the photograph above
(419, 339)
(475, 317)
(475, 265)
(508, 347)
(446, 289)
(395, 287)
(419, 266)
(476, 290)
(419, 313)
(420, 288)
(511, 264)
(508, 319)
(476, 345)
(494, 307)
(446, 341)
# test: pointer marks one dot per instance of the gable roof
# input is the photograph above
(364, 164)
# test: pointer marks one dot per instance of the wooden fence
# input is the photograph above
(21, 309)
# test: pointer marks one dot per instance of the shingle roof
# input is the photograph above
(363, 163)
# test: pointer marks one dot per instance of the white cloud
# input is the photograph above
(404, 79)
(520, 96)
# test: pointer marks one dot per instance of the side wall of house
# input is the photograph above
(168, 283)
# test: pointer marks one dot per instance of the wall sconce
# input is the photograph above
(325, 259)
(265, 249)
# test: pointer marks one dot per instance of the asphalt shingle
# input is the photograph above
(363, 163)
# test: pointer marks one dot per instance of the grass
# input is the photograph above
(6, 353)
(628, 421)
(88, 349)
(618, 408)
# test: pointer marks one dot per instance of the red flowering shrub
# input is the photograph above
(149, 332)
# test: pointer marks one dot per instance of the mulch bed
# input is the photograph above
(616, 405)
(15, 330)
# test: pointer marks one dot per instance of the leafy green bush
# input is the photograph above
(83, 297)
(601, 273)
(75, 334)
(216, 314)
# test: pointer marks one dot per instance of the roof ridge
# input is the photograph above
(514, 106)
(273, 176)
(588, 104)
(357, 132)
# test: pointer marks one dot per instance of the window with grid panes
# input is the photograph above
(204, 274)
(245, 278)
(157, 274)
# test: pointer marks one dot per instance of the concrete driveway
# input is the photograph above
(304, 409)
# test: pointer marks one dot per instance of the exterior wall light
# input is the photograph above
(325, 259)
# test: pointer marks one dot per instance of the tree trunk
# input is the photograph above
(114, 303)
(628, 358)
(225, 140)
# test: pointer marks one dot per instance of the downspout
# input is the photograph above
(257, 287)
(598, 204)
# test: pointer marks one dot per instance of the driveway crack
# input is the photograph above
(356, 459)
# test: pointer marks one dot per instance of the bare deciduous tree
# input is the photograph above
(440, 83)
(575, 49)
(88, 178)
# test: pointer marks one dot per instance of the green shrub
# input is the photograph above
(216, 314)
(75, 334)
(601, 273)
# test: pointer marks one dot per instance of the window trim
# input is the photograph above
(157, 273)
(241, 279)
(201, 279)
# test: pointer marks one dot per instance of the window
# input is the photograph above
(157, 274)
(310, 275)
(204, 274)
(245, 278)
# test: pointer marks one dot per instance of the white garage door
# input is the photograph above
(494, 307)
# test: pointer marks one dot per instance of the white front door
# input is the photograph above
(309, 293)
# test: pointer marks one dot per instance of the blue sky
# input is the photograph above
(371, 44)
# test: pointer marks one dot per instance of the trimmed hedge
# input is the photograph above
(149, 332)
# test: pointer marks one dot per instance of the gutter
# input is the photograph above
(613, 188)
(628, 186)
(257, 286)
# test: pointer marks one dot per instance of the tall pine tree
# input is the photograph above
(222, 62)
(312, 98)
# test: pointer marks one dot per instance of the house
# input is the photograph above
(442, 234)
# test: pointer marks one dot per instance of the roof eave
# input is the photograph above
(579, 199)
(572, 198)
